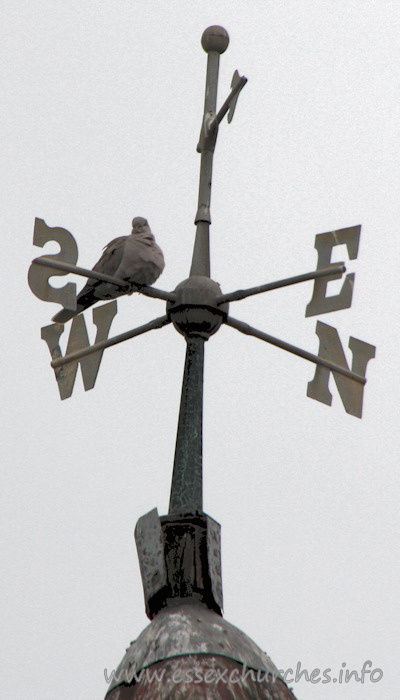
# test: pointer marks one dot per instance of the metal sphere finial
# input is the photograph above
(215, 38)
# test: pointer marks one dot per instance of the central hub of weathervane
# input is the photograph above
(197, 311)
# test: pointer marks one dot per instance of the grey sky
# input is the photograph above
(102, 106)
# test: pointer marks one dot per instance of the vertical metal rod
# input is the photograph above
(187, 477)
(210, 97)
(201, 251)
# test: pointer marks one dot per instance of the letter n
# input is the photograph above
(350, 390)
(78, 340)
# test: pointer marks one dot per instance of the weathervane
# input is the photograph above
(197, 308)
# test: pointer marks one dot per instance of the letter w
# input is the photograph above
(330, 348)
(78, 340)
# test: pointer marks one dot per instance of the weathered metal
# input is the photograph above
(324, 242)
(317, 359)
(189, 630)
(334, 272)
(196, 314)
(38, 278)
(196, 311)
(238, 82)
(187, 477)
(202, 677)
(180, 559)
(214, 572)
(103, 344)
(78, 338)
(46, 261)
(215, 41)
(330, 347)
(151, 555)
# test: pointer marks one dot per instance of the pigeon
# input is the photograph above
(137, 259)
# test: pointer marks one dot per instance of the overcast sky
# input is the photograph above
(102, 106)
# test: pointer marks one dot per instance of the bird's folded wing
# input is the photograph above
(112, 256)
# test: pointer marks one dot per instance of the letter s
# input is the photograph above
(38, 275)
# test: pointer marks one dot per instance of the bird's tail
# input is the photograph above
(85, 299)
(66, 314)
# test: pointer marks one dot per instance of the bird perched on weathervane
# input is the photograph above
(136, 259)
